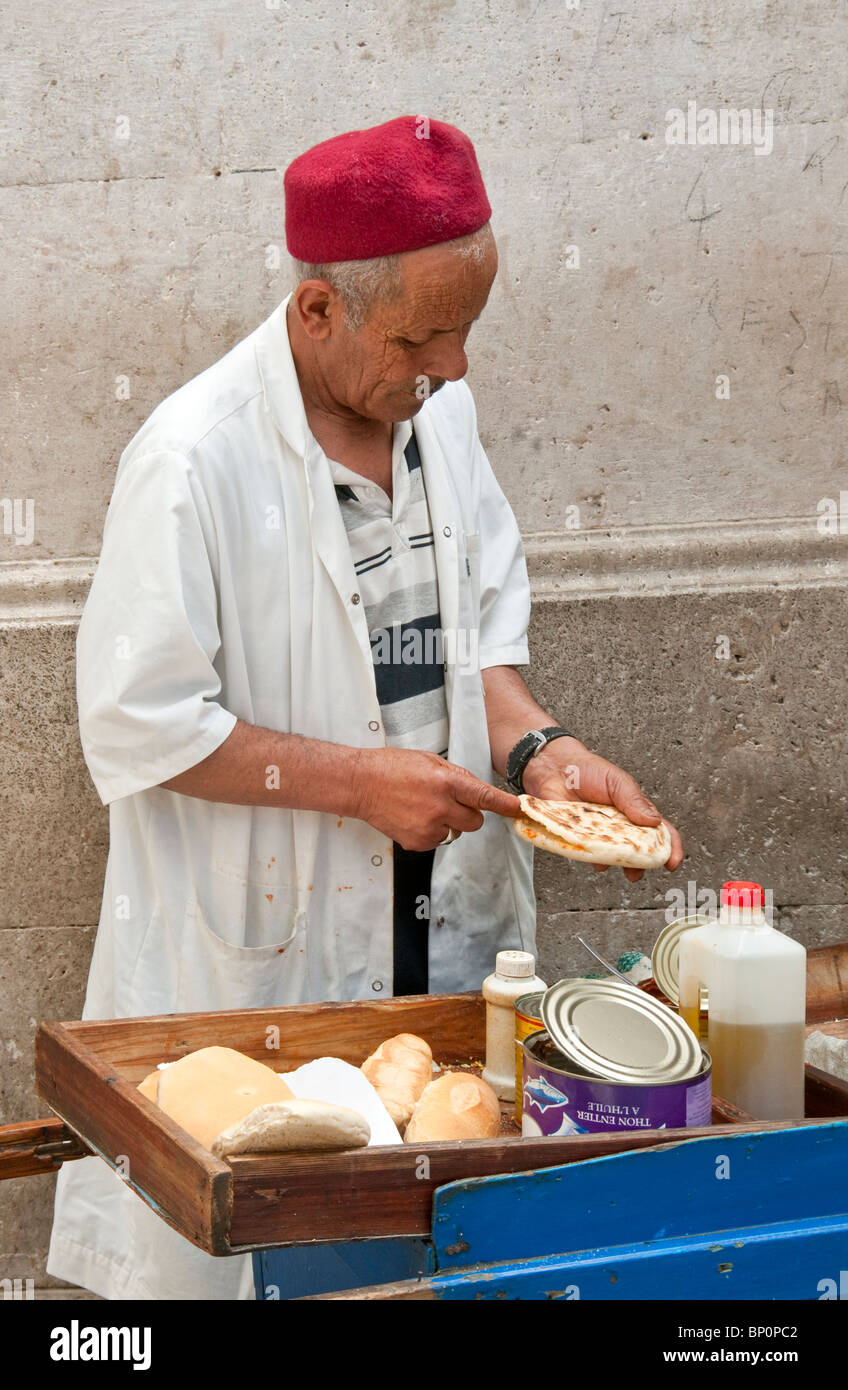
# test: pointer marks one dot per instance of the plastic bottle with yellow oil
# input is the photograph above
(743, 992)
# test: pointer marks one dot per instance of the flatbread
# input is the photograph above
(593, 834)
(313, 1126)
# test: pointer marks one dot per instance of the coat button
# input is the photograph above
(354, 598)
(440, 921)
(447, 531)
(376, 860)
(373, 725)
(377, 986)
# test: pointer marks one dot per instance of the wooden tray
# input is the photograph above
(88, 1073)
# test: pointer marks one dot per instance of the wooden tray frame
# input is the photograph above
(88, 1072)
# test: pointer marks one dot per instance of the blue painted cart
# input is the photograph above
(614, 1215)
(738, 1216)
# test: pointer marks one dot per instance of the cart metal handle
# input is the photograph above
(38, 1146)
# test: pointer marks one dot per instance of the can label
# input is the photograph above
(558, 1101)
(528, 1019)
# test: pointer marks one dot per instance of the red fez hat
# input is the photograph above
(408, 183)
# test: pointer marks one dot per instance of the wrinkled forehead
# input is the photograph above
(441, 289)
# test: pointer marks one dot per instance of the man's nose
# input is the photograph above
(449, 359)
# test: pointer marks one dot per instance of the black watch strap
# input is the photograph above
(526, 748)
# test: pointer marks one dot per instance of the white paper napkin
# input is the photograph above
(335, 1081)
(828, 1052)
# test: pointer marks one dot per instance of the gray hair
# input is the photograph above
(361, 284)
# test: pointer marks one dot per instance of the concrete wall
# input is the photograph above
(141, 200)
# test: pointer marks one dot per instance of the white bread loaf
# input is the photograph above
(399, 1070)
(213, 1088)
(231, 1103)
(459, 1105)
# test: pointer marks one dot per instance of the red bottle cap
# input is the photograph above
(738, 894)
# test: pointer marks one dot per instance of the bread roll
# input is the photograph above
(213, 1088)
(399, 1070)
(411, 1042)
(459, 1105)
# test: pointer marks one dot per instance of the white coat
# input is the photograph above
(225, 590)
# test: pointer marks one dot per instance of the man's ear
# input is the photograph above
(315, 302)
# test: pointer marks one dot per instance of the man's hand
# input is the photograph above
(416, 798)
(565, 770)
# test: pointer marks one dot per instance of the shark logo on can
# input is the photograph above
(543, 1094)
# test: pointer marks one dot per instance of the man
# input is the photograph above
(296, 665)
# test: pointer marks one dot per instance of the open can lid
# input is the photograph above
(619, 1033)
(665, 957)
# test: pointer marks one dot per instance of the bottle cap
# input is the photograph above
(517, 964)
(739, 894)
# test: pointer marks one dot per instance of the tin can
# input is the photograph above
(560, 1098)
(610, 1029)
(528, 1019)
(666, 952)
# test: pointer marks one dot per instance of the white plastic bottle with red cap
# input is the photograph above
(743, 990)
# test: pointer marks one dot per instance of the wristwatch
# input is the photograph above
(525, 749)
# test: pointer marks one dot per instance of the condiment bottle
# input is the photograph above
(515, 974)
(743, 991)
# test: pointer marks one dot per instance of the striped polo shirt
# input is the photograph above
(391, 544)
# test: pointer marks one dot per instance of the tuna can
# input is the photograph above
(561, 1099)
(612, 1029)
(611, 1057)
(528, 1019)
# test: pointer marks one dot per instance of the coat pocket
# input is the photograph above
(215, 974)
